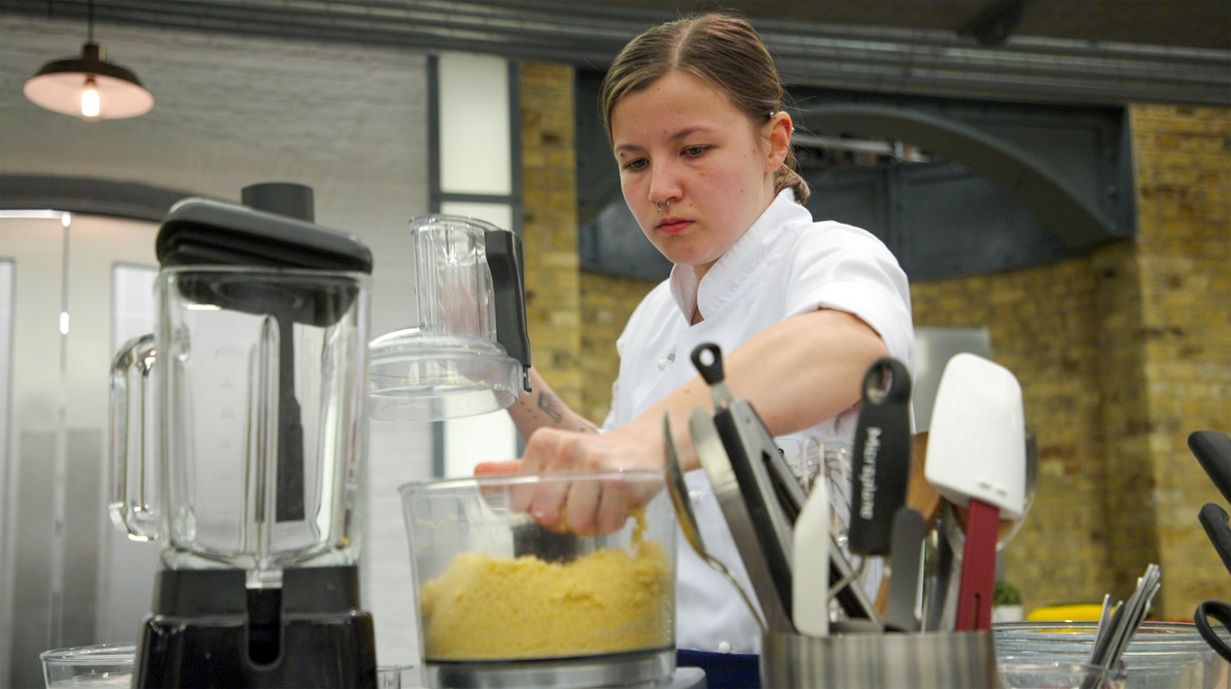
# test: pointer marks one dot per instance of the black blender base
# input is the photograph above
(199, 636)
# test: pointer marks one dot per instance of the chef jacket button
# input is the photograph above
(724, 647)
(666, 361)
(695, 495)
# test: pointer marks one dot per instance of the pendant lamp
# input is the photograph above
(89, 87)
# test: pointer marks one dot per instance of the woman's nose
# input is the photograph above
(664, 186)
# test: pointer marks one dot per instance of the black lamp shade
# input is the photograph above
(58, 85)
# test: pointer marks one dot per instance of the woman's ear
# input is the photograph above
(780, 129)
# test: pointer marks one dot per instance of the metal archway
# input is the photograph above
(1071, 216)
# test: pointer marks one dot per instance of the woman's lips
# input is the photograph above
(671, 225)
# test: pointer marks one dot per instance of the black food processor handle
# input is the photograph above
(504, 258)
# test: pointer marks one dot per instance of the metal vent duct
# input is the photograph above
(588, 33)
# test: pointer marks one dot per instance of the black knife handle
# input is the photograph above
(1213, 450)
(1214, 520)
(711, 372)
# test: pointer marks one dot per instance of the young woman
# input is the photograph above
(694, 113)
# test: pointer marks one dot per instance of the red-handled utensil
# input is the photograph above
(977, 459)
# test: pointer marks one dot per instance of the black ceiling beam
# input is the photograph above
(588, 34)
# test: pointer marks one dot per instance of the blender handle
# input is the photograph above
(504, 258)
(128, 458)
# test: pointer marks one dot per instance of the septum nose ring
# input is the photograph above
(660, 207)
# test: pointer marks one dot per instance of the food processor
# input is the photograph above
(503, 601)
(238, 440)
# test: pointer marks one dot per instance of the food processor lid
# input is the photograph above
(201, 231)
(414, 375)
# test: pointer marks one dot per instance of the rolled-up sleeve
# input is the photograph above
(840, 267)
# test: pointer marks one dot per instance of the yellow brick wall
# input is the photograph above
(1182, 159)
(606, 304)
(549, 229)
(1043, 327)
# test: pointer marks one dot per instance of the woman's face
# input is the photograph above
(682, 142)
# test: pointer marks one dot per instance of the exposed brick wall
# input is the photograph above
(1044, 327)
(549, 196)
(1121, 355)
(606, 304)
(1182, 158)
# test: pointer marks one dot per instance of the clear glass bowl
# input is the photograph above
(1016, 673)
(100, 665)
(1162, 655)
(497, 592)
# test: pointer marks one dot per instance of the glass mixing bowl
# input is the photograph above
(1162, 655)
(500, 596)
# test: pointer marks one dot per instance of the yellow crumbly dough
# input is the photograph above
(489, 608)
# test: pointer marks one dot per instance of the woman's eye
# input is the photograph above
(636, 164)
(694, 151)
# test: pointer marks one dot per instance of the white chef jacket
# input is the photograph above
(784, 265)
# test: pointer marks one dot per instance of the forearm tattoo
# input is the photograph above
(550, 406)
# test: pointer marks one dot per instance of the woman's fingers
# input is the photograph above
(539, 450)
(508, 466)
(614, 507)
(582, 506)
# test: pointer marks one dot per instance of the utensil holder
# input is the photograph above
(935, 660)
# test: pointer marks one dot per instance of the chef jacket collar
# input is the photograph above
(723, 280)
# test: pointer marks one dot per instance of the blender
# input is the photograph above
(238, 433)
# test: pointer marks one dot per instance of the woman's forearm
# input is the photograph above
(542, 407)
(796, 374)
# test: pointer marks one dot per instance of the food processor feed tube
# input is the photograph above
(258, 365)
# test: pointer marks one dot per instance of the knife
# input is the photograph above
(1213, 450)
(769, 520)
(1214, 520)
(902, 609)
(717, 467)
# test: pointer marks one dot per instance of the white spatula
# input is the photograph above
(976, 458)
(810, 574)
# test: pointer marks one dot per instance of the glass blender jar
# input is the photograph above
(238, 434)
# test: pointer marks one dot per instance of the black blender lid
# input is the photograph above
(205, 232)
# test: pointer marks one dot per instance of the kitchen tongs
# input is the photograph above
(759, 496)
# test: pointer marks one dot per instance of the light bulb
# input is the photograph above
(89, 99)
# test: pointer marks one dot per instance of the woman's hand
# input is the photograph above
(583, 506)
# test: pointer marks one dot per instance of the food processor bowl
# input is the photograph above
(504, 601)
